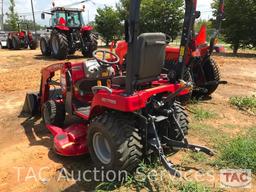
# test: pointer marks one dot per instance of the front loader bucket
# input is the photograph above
(31, 104)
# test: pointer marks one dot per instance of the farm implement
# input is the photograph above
(125, 118)
(200, 68)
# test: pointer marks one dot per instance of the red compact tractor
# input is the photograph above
(125, 119)
(21, 39)
(200, 67)
(68, 34)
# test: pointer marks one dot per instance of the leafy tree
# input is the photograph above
(239, 25)
(12, 17)
(157, 15)
(107, 23)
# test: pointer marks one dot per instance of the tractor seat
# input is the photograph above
(146, 66)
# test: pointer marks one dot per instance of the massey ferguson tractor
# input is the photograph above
(200, 68)
(125, 119)
(21, 39)
(67, 34)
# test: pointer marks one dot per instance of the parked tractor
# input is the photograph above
(200, 67)
(67, 34)
(22, 39)
(125, 119)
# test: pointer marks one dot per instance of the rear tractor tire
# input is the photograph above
(9, 43)
(33, 44)
(53, 113)
(182, 118)
(45, 47)
(16, 43)
(212, 73)
(114, 142)
(59, 45)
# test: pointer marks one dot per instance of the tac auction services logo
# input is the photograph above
(235, 178)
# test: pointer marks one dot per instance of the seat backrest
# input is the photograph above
(150, 56)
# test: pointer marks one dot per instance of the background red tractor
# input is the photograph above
(22, 39)
(67, 34)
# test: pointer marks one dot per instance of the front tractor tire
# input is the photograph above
(45, 46)
(90, 45)
(114, 142)
(53, 113)
(59, 45)
(212, 73)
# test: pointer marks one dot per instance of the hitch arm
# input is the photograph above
(185, 145)
(156, 146)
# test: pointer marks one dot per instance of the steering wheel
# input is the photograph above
(114, 59)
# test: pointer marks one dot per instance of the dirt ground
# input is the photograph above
(26, 146)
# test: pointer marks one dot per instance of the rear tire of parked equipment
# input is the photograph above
(114, 142)
(59, 45)
(212, 73)
(33, 44)
(53, 113)
(15, 43)
(45, 47)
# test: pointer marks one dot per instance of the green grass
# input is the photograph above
(202, 114)
(239, 152)
(191, 186)
(244, 103)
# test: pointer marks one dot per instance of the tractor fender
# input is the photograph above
(86, 28)
(62, 28)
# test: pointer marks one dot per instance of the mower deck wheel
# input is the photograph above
(53, 113)
(114, 142)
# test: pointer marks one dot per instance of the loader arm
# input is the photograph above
(46, 74)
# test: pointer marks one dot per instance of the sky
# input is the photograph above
(23, 7)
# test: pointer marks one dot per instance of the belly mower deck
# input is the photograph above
(70, 141)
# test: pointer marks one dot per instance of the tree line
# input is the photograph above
(12, 21)
(238, 27)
